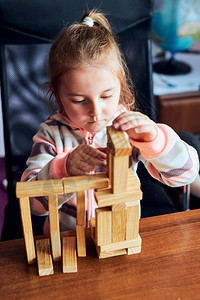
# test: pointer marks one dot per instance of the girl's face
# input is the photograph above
(90, 96)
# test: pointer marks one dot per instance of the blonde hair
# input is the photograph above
(80, 43)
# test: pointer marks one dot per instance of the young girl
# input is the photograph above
(89, 80)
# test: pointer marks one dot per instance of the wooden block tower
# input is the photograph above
(117, 216)
(115, 228)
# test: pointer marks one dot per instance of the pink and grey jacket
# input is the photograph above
(167, 158)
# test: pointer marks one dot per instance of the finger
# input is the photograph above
(80, 168)
(134, 118)
(84, 152)
(81, 163)
(127, 114)
(86, 168)
(143, 133)
(93, 161)
(104, 150)
(98, 153)
(145, 129)
(90, 151)
(135, 123)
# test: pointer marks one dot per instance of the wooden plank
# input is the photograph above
(80, 208)
(107, 198)
(103, 228)
(61, 186)
(122, 245)
(39, 188)
(118, 222)
(27, 229)
(109, 166)
(118, 142)
(69, 254)
(132, 180)
(107, 254)
(80, 238)
(54, 227)
(132, 225)
(44, 259)
(134, 250)
(119, 174)
(92, 222)
(85, 182)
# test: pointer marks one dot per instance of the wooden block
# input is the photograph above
(118, 222)
(54, 227)
(133, 180)
(69, 254)
(92, 227)
(121, 245)
(107, 254)
(80, 208)
(103, 228)
(118, 142)
(134, 250)
(109, 166)
(44, 259)
(27, 229)
(120, 174)
(80, 238)
(132, 225)
(106, 198)
(85, 182)
(39, 188)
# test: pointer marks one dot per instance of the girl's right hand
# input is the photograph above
(84, 159)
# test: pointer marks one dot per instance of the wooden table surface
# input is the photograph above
(167, 268)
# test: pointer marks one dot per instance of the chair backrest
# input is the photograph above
(26, 31)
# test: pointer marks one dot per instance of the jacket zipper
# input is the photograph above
(90, 138)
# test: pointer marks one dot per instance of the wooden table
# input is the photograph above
(167, 268)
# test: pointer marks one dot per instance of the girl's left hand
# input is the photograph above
(138, 126)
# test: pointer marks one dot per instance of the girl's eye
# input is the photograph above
(106, 97)
(78, 101)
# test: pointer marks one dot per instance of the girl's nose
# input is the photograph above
(96, 109)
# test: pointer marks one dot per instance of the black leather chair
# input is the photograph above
(26, 31)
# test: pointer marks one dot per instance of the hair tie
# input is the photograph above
(88, 21)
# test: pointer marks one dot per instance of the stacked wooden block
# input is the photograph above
(41, 248)
(49, 250)
(115, 229)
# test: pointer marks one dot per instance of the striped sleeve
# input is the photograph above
(168, 158)
(48, 160)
